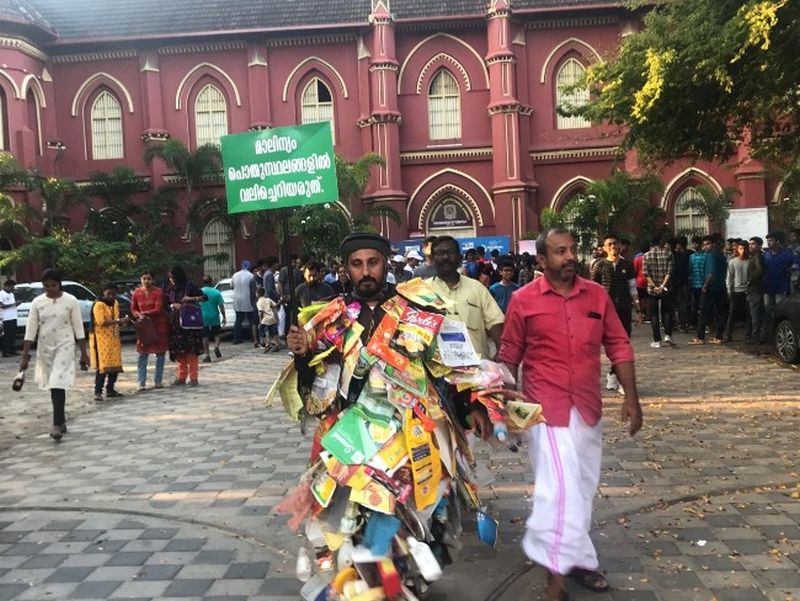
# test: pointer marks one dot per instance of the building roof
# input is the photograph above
(22, 12)
(115, 19)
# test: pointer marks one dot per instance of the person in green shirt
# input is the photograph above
(213, 318)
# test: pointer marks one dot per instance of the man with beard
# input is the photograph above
(365, 256)
(472, 302)
(313, 289)
(555, 327)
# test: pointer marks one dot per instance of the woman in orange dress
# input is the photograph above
(149, 302)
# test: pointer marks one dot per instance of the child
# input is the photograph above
(502, 290)
(268, 322)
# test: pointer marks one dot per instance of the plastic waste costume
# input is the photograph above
(390, 466)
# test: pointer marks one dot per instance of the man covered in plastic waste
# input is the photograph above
(390, 467)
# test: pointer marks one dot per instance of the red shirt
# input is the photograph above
(558, 340)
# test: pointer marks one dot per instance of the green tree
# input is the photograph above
(322, 227)
(115, 218)
(80, 255)
(59, 196)
(194, 167)
(702, 76)
(14, 216)
(620, 205)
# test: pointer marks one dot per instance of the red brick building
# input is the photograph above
(459, 96)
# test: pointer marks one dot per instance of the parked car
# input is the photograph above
(786, 330)
(224, 286)
(26, 292)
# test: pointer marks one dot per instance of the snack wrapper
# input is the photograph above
(380, 343)
(420, 292)
(416, 331)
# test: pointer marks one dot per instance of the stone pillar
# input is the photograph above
(258, 87)
(152, 109)
(384, 118)
(509, 186)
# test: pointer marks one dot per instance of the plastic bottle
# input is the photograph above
(303, 566)
(500, 431)
(19, 381)
(426, 562)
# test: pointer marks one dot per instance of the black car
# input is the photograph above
(787, 329)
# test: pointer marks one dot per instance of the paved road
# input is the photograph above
(170, 494)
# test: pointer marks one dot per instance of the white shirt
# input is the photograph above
(7, 298)
(243, 291)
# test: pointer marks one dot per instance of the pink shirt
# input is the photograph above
(558, 340)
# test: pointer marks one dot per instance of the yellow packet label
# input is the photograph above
(426, 466)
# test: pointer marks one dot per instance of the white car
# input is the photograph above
(224, 286)
(25, 293)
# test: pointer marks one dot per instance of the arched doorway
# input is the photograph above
(218, 254)
(451, 216)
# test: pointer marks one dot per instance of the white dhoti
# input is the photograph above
(566, 466)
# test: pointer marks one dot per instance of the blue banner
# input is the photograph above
(501, 243)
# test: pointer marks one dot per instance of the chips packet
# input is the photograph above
(421, 293)
(379, 344)
(416, 331)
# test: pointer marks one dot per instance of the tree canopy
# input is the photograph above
(701, 77)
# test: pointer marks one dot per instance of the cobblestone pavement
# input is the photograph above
(170, 494)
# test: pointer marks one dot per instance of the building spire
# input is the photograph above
(381, 9)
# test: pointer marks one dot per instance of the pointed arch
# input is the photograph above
(465, 186)
(445, 191)
(32, 82)
(305, 66)
(443, 60)
(685, 177)
(567, 190)
(415, 49)
(316, 103)
(93, 82)
(13, 84)
(575, 43)
(198, 71)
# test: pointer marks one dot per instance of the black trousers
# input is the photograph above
(58, 396)
(713, 306)
(100, 379)
(662, 309)
(9, 336)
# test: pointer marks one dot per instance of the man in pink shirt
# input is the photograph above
(555, 327)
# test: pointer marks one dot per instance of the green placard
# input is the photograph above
(280, 167)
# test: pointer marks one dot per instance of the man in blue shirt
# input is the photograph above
(213, 313)
(714, 299)
(502, 290)
(697, 277)
(778, 263)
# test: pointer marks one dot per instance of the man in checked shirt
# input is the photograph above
(618, 276)
(657, 267)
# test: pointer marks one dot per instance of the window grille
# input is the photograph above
(444, 108)
(210, 116)
(317, 104)
(569, 74)
(218, 249)
(689, 221)
(106, 127)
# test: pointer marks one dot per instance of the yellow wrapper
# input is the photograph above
(286, 388)
(426, 466)
(522, 415)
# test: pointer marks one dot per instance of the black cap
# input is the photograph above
(364, 240)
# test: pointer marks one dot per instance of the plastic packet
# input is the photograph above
(416, 331)
(323, 390)
(379, 343)
(421, 293)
